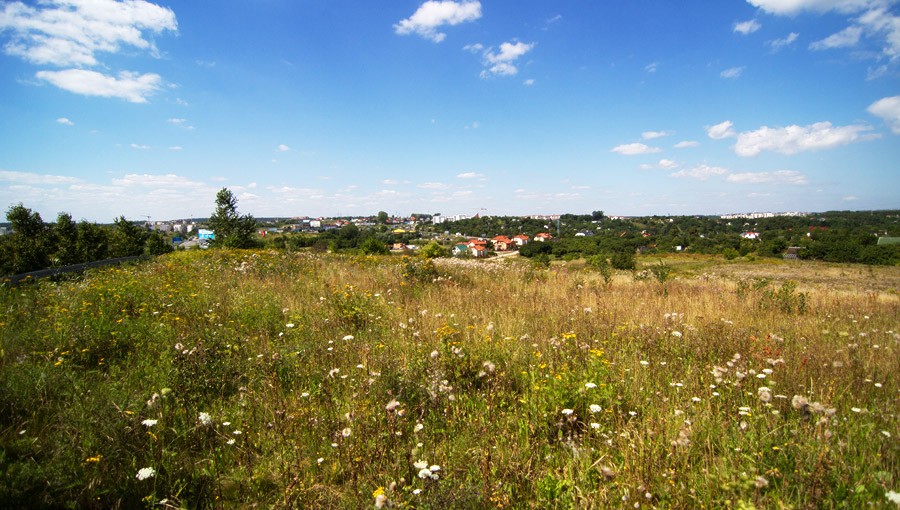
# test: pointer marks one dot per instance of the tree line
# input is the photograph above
(33, 244)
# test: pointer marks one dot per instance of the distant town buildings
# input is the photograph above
(757, 215)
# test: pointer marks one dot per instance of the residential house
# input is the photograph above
(543, 236)
(521, 240)
(503, 243)
(478, 247)
(750, 235)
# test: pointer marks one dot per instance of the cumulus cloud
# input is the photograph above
(71, 33)
(64, 121)
(650, 135)
(282, 148)
(470, 175)
(778, 177)
(888, 109)
(502, 63)
(432, 15)
(732, 73)
(747, 27)
(721, 130)
(474, 48)
(685, 144)
(700, 172)
(75, 33)
(529, 82)
(433, 185)
(129, 86)
(634, 149)
(794, 139)
(663, 164)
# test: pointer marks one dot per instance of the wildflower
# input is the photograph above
(607, 473)
(145, 473)
(333, 372)
(799, 402)
(886, 434)
(695, 399)
(289, 325)
(567, 412)
(856, 409)
(380, 498)
(418, 427)
(765, 394)
(149, 423)
(205, 419)
(346, 432)
(392, 406)
(95, 458)
(320, 460)
(230, 442)
(594, 408)
(761, 482)
(590, 385)
(489, 367)
(893, 497)
(417, 491)
(348, 337)
(645, 363)
(420, 464)
(760, 376)
(595, 425)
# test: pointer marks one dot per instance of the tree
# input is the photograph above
(127, 239)
(382, 217)
(433, 250)
(92, 243)
(157, 244)
(66, 233)
(372, 246)
(27, 248)
(232, 230)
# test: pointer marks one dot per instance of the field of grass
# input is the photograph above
(234, 379)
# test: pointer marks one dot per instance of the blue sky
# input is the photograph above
(318, 108)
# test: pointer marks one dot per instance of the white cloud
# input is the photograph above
(282, 148)
(651, 67)
(794, 139)
(849, 198)
(791, 7)
(35, 179)
(152, 180)
(747, 27)
(474, 48)
(634, 149)
(789, 39)
(64, 121)
(433, 185)
(733, 72)
(846, 38)
(700, 172)
(650, 135)
(176, 148)
(433, 14)
(778, 177)
(390, 182)
(667, 164)
(502, 63)
(529, 82)
(874, 20)
(71, 32)
(721, 130)
(139, 147)
(182, 123)
(470, 175)
(685, 144)
(129, 86)
(888, 109)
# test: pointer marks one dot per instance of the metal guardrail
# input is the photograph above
(16, 279)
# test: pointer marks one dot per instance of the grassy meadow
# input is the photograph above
(236, 379)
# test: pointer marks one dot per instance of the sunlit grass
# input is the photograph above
(211, 379)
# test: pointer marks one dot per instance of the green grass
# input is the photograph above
(327, 378)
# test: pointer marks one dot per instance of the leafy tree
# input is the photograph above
(372, 246)
(232, 230)
(65, 232)
(156, 244)
(433, 250)
(26, 249)
(92, 243)
(127, 239)
(382, 217)
(623, 260)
